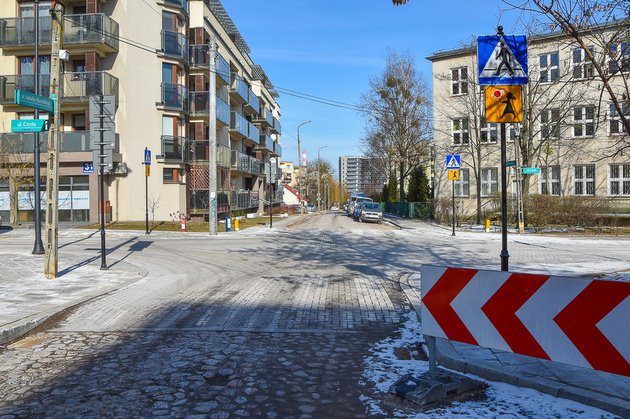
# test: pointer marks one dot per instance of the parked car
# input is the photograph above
(356, 214)
(371, 211)
(354, 201)
(334, 208)
(310, 208)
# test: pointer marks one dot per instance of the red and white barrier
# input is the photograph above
(578, 321)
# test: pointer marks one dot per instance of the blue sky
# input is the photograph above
(331, 48)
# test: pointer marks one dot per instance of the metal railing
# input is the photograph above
(200, 57)
(268, 117)
(239, 124)
(266, 143)
(78, 29)
(71, 142)
(175, 44)
(245, 163)
(240, 87)
(201, 153)
(253, 133)
(276, 126)
(175, 148)
(253, 100)
(175, 96)
(277, 149)
(75, 87)
(198, 103)
(182, 4)
(223, 111)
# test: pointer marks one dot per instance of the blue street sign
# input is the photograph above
(502, 59)
(453, 161)
(88, 168)
(147, 157)
(28, 125)
(530, 170)
(31, 100)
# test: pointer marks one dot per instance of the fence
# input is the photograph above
(416, 210)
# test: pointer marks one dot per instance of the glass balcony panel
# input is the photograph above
(175, 148)
(239, 124)
(175, 44)
(174, 96)
(223, 111)
(71, 142)
(254, 132)
(240, 87)
(223, 69)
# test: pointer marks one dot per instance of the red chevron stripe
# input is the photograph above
(501, 310)
(578, 320)
(438, 301)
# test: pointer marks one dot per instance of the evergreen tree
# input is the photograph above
(419, 190)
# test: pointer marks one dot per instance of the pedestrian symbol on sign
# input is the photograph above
(453, 161)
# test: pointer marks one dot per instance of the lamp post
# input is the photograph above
(319, 179)
(299, 161)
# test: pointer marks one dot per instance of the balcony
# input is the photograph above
(198, 102)
(175, 149)
(239, 125)
(201, 153)
(246, 164)
(175, 45)
(181, 4)
(276, 128)
(243, 199)
(253, 101)
(71, 142)
(240, 89)
(92, 32)
(75, 87)
(277, 149)
(254, 132)
(223, 111)
(265, 144)
(175, 96)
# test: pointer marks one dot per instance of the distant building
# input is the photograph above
(287, 168)
(359, 174)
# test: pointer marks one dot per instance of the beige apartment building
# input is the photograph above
(570, 131)
(154, 57)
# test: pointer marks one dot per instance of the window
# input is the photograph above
(549, 67)
(582, 67)
(550, 123)
(78, 122)
(619, 57)
(489, 181)
(512, 132)
(171, 175)
(550, 180)
(615, 125)
(462, 186)
(459, 83)
(460, 131)
(584, 121)
(489, 133)
(584, 179)
(619, 179)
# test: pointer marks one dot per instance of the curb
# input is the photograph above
(390, 221)
(448, 357)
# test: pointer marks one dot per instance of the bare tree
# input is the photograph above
(397, 110)
(16, 167)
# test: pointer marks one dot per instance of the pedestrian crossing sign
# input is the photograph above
(453, 161)
(453, 174)
(504, 104)
(502, 59)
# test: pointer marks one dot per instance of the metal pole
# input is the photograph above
(102, 178)
(38, 248)
(319, 181)
(431, 346)
(453, 191)
(299, 162)
(504, 244)
(270, 204)
(212, 140)
(52, 173)
(146, 199)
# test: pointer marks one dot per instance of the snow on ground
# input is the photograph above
(383, 368)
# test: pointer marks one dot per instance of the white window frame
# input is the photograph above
(549, 68)
(586, 69)
(619, 57)
(583, 122)
(461, 131)
(458, 82)
(489, 128)
(583, 179)
(552, 125)
(552, 172)
(623, 177)
(512, 132)
(489, 181)
(463, 184)
(614, 117)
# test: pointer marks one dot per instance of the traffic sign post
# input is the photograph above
(147, 173)
(28, 125)
(453, 164)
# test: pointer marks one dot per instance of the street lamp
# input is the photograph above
(319, 179)
(299, 161)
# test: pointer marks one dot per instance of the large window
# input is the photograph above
(582, 66)
(550, 180)
(460, 131)
(171, 175)
(615, 125)
(584, 121)
(619, 179)
(489, 181)
(459, 81)
(619, 57)
(462, 186)
(489, 133)
(584, 179)
(549, 67)
(550, 123)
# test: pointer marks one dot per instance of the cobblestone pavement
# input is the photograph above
(276, 324)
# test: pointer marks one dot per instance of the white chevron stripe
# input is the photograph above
(429, 275)
(616, 327)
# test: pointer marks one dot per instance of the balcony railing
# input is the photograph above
(277, 149)
(182, 4)
(200, 57)
(277, 128)
(175, 44)
(175, 96)
(198, 102)
(243, 199)
(75, 87)
(247, 164)
(268, 117)
(266, 143)
(223, 69)
(78, 30)
(71, 142)
(239, 124)
(253, 100)
(240, 88)
(200, 150)
(254, 132)
(223, 111)
(175, 149)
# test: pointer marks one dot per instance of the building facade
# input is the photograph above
(570, 131)
(357, 174)
(153, 57)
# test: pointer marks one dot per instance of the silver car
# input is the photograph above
(371, 211)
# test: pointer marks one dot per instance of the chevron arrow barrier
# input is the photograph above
(579, 321)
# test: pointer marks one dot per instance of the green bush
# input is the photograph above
(569, 211)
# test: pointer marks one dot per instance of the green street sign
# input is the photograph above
(530, 170)
(28, 125)
(510, 163)
(31, 100)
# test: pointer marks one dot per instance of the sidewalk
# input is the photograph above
(606, 391)
(27, 298)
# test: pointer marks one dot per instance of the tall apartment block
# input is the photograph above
(154, 57)
(357, 174)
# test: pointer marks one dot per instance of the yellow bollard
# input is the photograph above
(237, 224)
(487, 225)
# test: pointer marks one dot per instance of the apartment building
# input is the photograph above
(154, 58)
(357, 174)
(571, 131)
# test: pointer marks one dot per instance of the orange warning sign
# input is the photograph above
(147, 170)
(453, 174)
(504, 104)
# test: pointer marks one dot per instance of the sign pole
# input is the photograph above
(38, 248)
(102, 179)
(270, 203)
(453, 190)
(504, 242)
(146, 198)
(212, 141)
